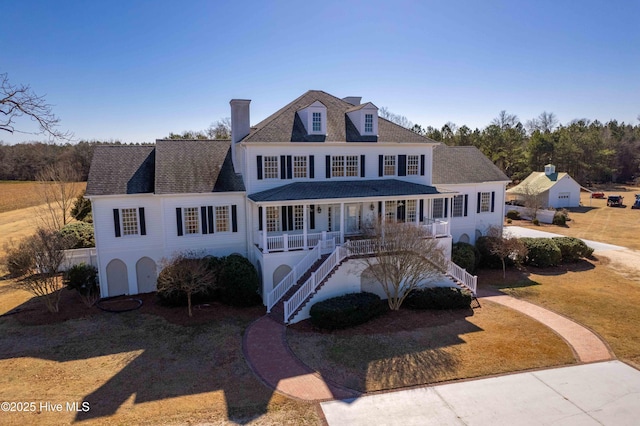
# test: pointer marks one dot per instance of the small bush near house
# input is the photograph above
(536, 222)
(185, 281)
(513, 214)
(82, 209)
(561, 217)
(466, 256)
(84, 279)
(487, 259)
(509, 221)
(79, 234)
(238, 281)
(347, 311)
(572, 249)
(542, 252)
(438, 298)
(18, 260)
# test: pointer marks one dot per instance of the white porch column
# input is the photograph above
(342, 223)
(304, 225)
(265, 249)
(383, 211)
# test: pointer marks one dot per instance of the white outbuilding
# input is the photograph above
(552, 189)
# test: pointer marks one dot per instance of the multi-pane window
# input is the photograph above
(129, 221)
(300, 166)
(342, 165)
(337, 165)
(390, 210)
(298, 217)
(438, 208)
(273, 219)
(352, 165)
(412, 165)
(271, 167)
(368, 123)
(458, 206)
(317, 122)
(389, 165)
(191, 221)
(222, 218)
(485, 202)
(411, 211)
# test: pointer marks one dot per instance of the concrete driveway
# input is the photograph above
(518, 231)
(605, 393)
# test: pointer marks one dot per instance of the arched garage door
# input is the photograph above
(117, 280)
(146, 275)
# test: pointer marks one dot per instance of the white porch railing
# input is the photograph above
(460, 274)
(437, 228)
(286, 242)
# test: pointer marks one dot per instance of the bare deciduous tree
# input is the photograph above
(59, 187)
(221, 129)
(402, 257)
(20, 101)
(505, 120)
(545, 122)
(532, 200)
(400, 120)
(505, 246)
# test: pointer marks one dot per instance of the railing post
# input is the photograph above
(285, 242)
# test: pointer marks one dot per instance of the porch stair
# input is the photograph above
(277, 311)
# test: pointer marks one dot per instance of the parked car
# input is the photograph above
(597, 195)
(615, 201)
(636, 205)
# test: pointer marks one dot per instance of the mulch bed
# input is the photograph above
(33, 312)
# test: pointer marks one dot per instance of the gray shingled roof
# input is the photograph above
(121, 169)
(463, 164)
(195, 166)
(343, 189)
(169, 167)
(286, 126)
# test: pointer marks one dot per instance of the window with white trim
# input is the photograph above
(222, 218)
(411, 211)
(368, 123)
(413, 162)
(438, 208)
(389, 165)
(191, 218)
(298, 217)
(352, 165)
(458, 206)
(390, 210)
(300, 166)
(271, 167)
(485, 202)
(129, 219)
(317, 122)
(342, 165)
(273, 219)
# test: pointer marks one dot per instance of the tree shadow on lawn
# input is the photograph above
(171, 355)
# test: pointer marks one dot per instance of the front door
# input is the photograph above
(352, 225)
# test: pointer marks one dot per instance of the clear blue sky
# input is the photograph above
(135, 71)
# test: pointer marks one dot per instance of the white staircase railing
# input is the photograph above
(292, 277)
(460, 274)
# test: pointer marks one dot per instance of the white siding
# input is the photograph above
(566, 184)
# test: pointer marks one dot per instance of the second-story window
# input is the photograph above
(413, 162)
(352, 165)
(129, 221)
(191, 221)
(389, 165)
(345, 165)
(222, 218)
(299, 167)
(368, 123)
(271, 167)
(317, 122)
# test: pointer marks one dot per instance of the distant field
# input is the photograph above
(16, 195)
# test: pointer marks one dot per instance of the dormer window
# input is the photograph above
(368, 123)
(314, 118)
(365, 118)
(317, 122)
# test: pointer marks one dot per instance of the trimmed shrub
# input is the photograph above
(18, 259)
(509, 221)
(542, 252)
(466, 256)
(238, 281)
(438, 298)
(572, 249)
(560, 218)
(347, 311)
(536, 222)
(79, 234)
(513, 214)
(84, 279)
(487, 260)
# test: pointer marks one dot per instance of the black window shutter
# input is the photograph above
(380, 165)
(446, 207)
(421, 211)
(328, 166)
(143, 222)
(379, 208)
(422, 165)
(402, 165)
(466, 203)
(259, 218)
(203, 219)
(362, 172)
(289, 168)
(234, 218)
(312, 166)
(290, 211)
(493, 201)
(283, 167)
(179, 220)
(116, 222)
(478, 206)
(259, 164)
(400, 211)
(283, 219)
(312, 217)
(210, 218)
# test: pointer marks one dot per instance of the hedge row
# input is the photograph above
(347, 311)
(438, 298)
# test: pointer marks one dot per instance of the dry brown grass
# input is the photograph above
(410, 348)
(19, 195)
(595, 221)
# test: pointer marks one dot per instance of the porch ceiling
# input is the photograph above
(344, 189)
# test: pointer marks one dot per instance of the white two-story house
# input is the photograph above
(284, 193)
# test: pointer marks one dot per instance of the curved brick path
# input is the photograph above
(267, 353)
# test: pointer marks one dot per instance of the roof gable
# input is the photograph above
(538, 182)
(463, 164)
(121, 169)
